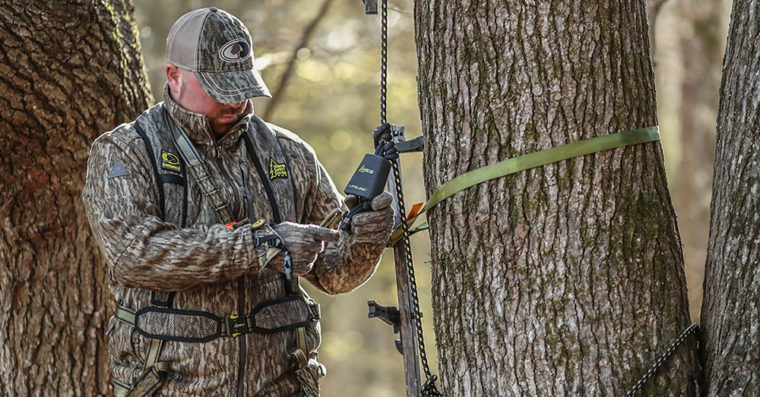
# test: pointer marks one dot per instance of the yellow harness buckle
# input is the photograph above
(236, 325)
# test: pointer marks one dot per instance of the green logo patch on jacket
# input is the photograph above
(170, 161)
(277, 170)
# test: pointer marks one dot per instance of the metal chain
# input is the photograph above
(428, 388)
(661, 360)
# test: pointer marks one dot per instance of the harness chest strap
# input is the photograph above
(198, 168)
(230, 325)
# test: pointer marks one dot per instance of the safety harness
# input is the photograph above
(161, 323)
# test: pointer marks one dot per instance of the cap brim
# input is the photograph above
(231, 87)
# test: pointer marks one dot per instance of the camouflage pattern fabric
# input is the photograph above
(305, 243)
(210, 267)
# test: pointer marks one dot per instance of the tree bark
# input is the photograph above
(68, 71)
(567, 278)
(731, 309)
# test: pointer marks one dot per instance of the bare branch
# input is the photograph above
(308, 33)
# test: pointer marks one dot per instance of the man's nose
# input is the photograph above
(234, 105)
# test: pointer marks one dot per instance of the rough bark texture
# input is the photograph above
(68, 71)
(565, 279)
(731, 309)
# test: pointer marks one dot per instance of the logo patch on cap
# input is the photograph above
(235, 51)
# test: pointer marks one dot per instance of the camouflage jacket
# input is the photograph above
(212, 268)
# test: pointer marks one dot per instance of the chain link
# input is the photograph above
(428, 388)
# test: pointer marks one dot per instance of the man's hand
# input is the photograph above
(373, 227)
(305, 243)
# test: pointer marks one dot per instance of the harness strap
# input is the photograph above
(153, 370)
(170, 185)
(299, 354)
(264, 181)
(198, 168)
(288, 279)
(120, 389)
(199, 326)
(304, 372)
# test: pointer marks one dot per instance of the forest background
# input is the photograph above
(320, 59)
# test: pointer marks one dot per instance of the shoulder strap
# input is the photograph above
(172, 187)
(167, 168)
(264, 180)
(274, 168)
(289, 171)
(199, 170)
(267, 141)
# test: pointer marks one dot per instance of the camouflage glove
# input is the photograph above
(372, 227)
(305, 243)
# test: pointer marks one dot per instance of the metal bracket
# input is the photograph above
(370, 7)
(413, 145)
(389, 315)
(404, 146)
(397, 131)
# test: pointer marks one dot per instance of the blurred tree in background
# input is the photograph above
(689, 38)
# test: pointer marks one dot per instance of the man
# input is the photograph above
(206, 216)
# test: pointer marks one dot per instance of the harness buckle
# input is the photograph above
(236, 325)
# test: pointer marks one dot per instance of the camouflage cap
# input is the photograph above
(216, 47)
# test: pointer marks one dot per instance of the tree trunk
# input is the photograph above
(568, 278)
(731, 309)
(68, 71)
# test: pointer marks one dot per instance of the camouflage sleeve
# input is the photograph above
(344, 265)
(142, 251)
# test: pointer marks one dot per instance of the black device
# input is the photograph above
(369, 178)
(367, 182)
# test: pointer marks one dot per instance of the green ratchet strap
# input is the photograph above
(528, 161)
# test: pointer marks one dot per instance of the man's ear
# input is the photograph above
(174, 78)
